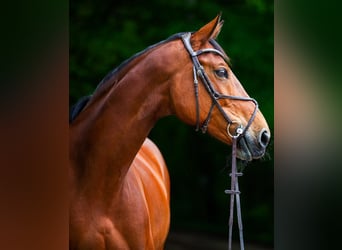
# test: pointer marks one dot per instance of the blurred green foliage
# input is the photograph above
(104, 33)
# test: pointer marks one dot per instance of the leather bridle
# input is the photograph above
(198, 70)
(240, 131)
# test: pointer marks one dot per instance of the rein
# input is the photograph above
(240, 131)
(234, 191)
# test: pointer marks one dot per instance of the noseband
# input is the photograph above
(198, 70)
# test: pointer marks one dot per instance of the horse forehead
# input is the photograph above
(210, 58)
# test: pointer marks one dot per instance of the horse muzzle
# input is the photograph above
(253, 147)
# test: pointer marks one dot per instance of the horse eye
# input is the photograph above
(222, 73)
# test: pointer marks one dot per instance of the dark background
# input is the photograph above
(103, 34)
(34, 75)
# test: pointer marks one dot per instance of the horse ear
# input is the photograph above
(209, 31)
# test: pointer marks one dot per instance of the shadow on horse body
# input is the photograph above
(119, 183)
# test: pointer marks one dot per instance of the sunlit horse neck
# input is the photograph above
(119, 182)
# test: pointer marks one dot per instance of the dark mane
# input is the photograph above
(78, 107)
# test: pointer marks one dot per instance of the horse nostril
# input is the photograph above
(264, 138)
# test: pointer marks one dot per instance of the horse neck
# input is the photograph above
(109, 132)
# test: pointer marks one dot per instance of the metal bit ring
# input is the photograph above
(239, 129)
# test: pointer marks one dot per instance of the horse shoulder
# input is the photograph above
(152, 154)
(153, 177)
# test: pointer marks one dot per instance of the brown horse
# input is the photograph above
(119, 182)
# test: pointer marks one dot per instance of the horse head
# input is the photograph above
(208, 94)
